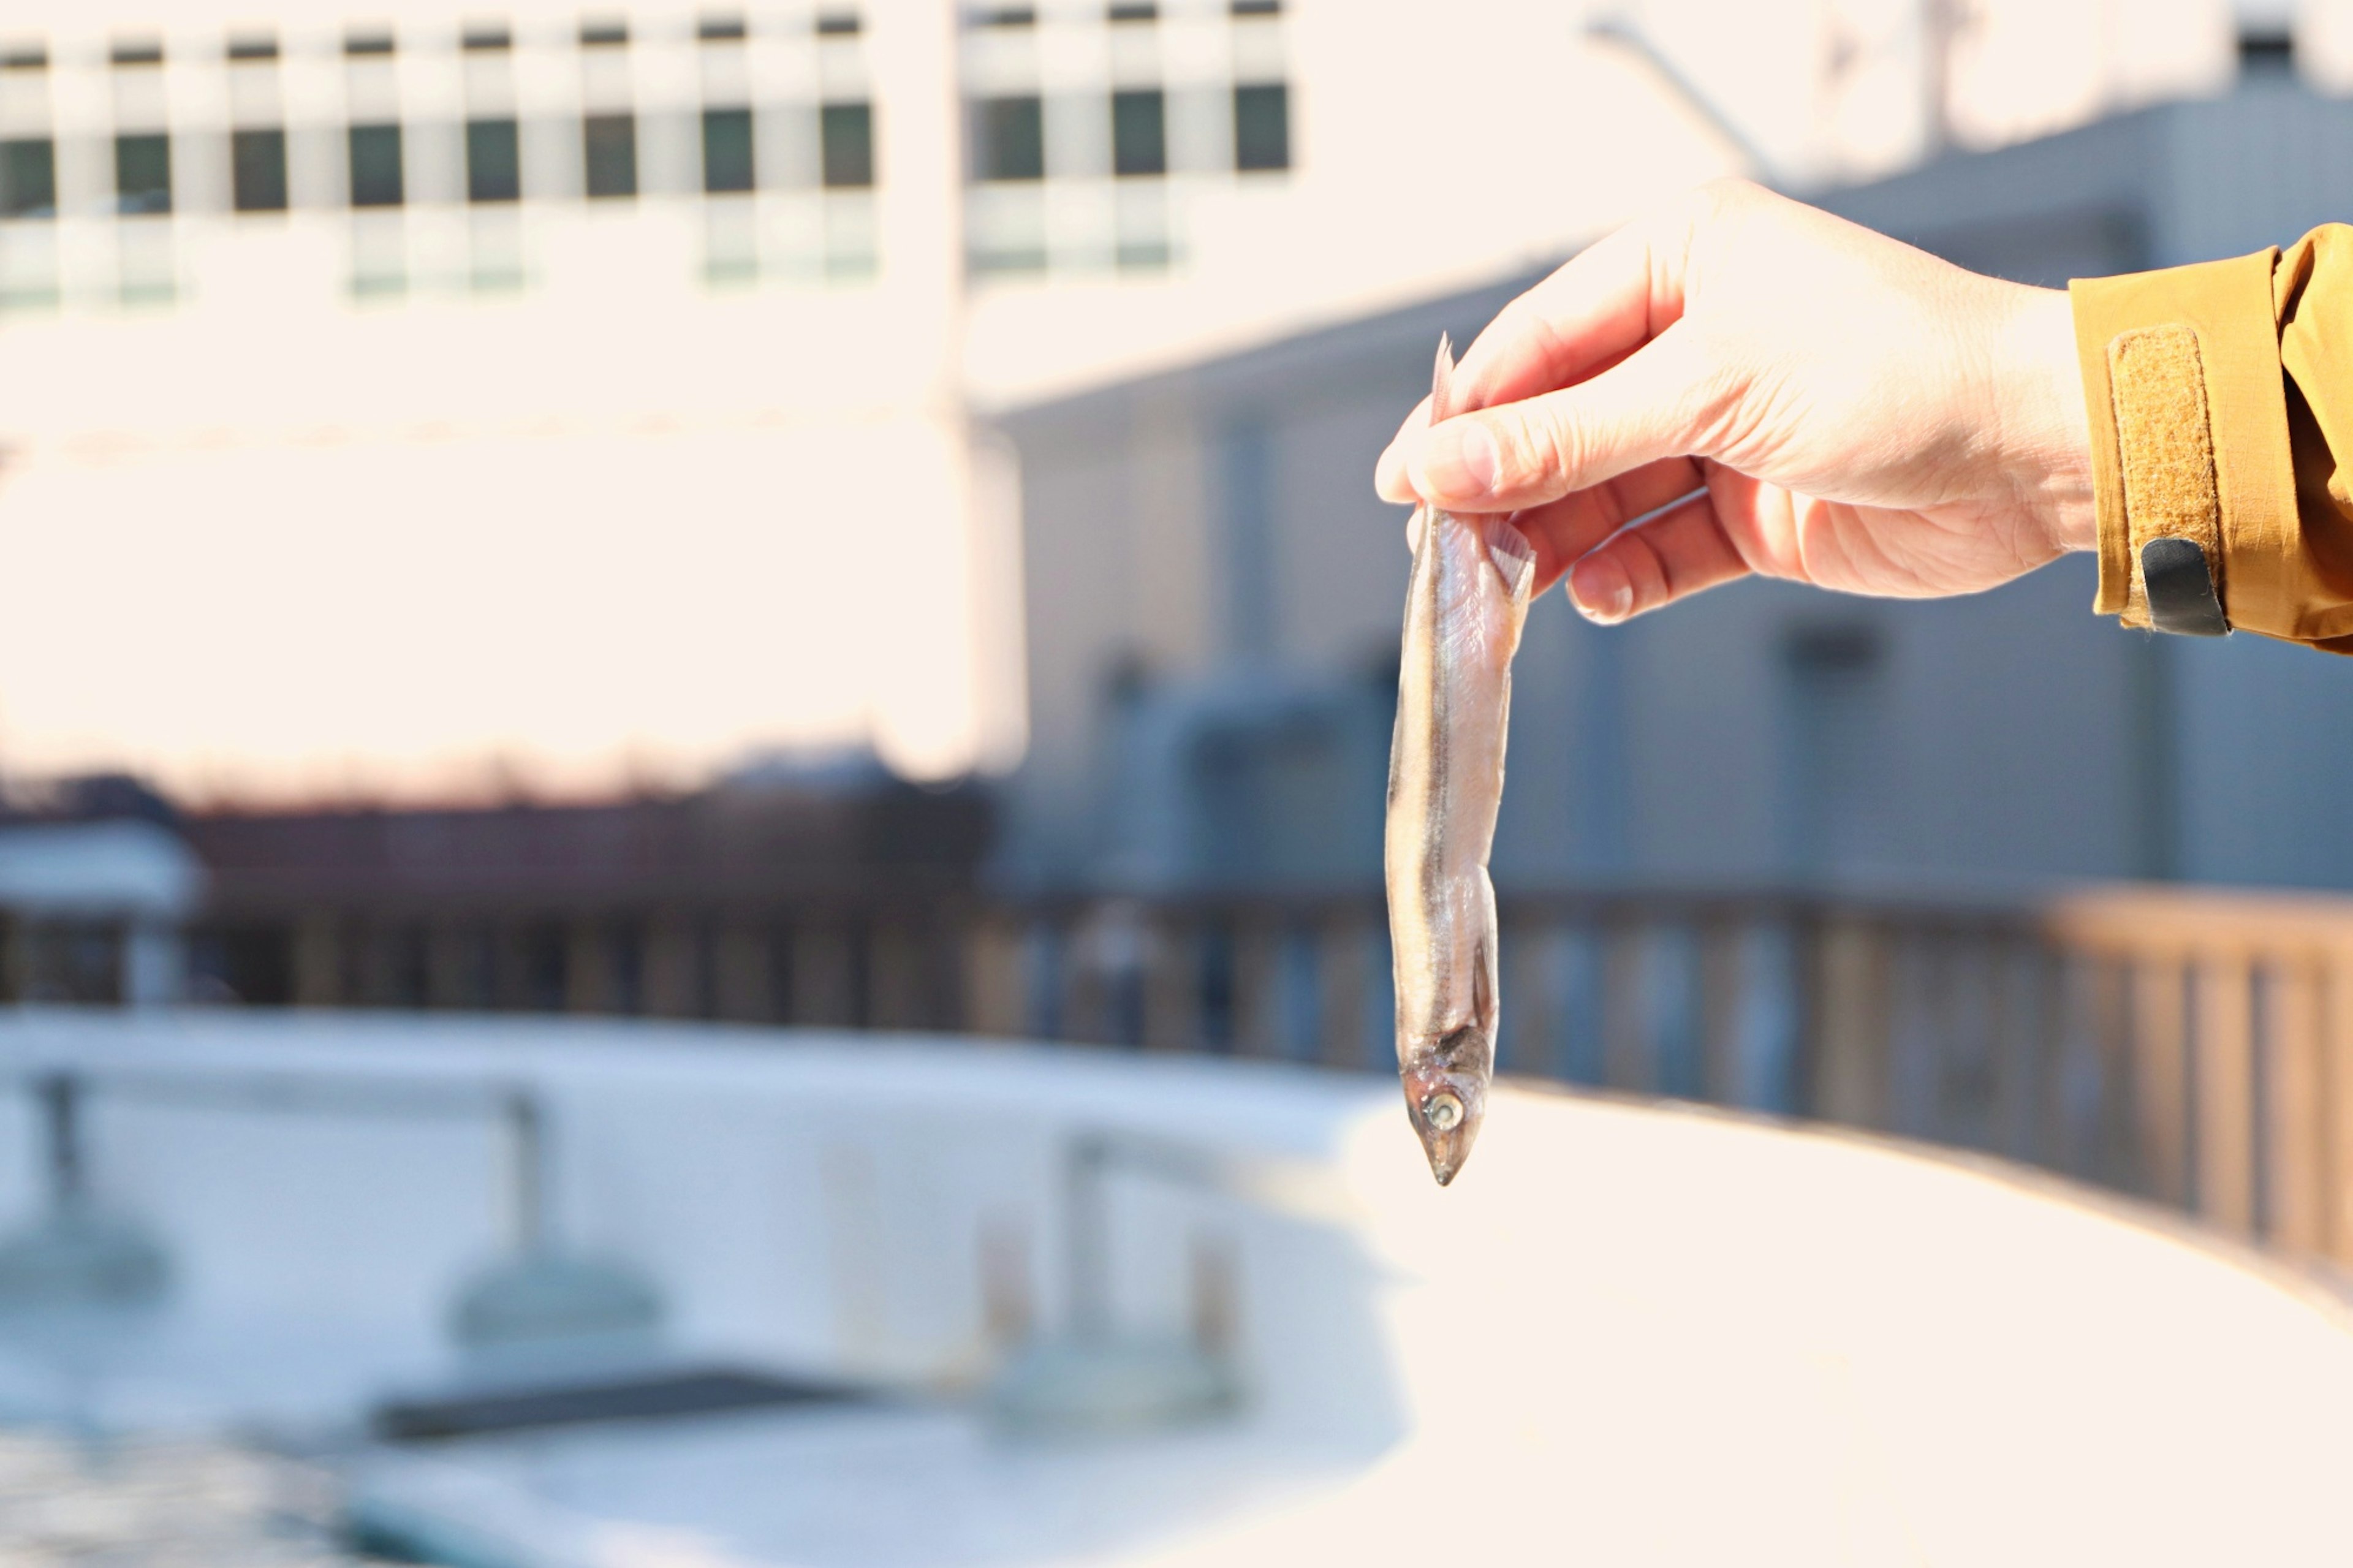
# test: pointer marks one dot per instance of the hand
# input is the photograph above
(1855, 413)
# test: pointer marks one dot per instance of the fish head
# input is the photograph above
(1446, 1096)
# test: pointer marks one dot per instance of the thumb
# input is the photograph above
(1663, 401)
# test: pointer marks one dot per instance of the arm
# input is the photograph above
(1845, 410)
(1852, 412)
(2228, 393)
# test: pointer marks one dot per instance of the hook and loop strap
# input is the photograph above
(2173, 508)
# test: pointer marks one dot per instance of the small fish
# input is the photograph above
(1463, 613)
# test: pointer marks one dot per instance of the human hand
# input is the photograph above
(1858, 415)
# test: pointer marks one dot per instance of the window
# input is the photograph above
(845, 143)
(28, 177)
(23, 58)
(136, 52)
(142, 174)
(1006, 17)
(726, 149)
(719, 29)
(1008, 139)
(1258, 7)
(486, 36)
(1139, 133)
(367, 43)
(837, 24)
(252, 47)
(257, 171)
(609, 144)
(376, 165)
(493, 162)
(1129, 11)
(1262, 127)
(605, 32)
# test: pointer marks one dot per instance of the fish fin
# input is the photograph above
(1483, 991)
(1513, 557)
(1441, 382)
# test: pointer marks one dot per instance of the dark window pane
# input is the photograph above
(726, 149)
(142, 174)
(1258, 7)
(493, 163)
(1139, 133)
(137, 52)
(257, 171)
(1144, 11)
(846, 137)
(715, 29)
(252, 47)
(610, 143)
(604, 33)
(1006, 17)
(1262, 127)
(367, 43)
(375, 166)
(837, 24)
(486, 36)
(1008, 139)
(28, 178)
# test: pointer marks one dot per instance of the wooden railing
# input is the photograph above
(2192, 1047)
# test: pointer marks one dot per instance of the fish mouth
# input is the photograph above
(1446, 1109)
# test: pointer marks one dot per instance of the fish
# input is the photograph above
(1464, 610)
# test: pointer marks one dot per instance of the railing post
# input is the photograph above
(823, 990)
(898, 986)
(2296, 1109)
(1627, 1049)
(1342, 955)
(1172, 984)
(2336, 1106)
(1722, 965)
(2225, 1150)
(590, 984)
(2106, 990)
(996, 995)
(15, 959)
(2160, 1078)
(742, 973)
(2034, 1072)
(1530, 1000)
(673, 966)
(1258, 987)
(450, 951)
(318, 961)
(1849, 1015)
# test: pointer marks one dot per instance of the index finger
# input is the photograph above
(1594, 309)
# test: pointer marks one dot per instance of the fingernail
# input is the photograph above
(1601, 594)
(1459, 462)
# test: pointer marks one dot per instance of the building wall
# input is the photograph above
(391, 497)
(1762, 730)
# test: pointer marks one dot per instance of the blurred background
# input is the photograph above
(856, 519)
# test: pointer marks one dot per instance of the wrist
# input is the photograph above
(2046, 424)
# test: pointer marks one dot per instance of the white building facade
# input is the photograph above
(434, 399)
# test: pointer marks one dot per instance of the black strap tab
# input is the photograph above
(2181, 597)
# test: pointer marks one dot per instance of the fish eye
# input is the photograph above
(1442, 1111)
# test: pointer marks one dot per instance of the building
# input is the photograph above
(1214, 597)
(818, 896)
(406, 400)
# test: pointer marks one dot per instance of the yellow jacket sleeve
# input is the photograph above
(2221, 414)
